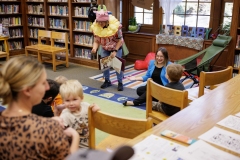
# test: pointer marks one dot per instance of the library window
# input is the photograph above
(143, 16)
(192, 13)
(227, 15)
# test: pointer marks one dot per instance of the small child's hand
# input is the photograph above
(70, 132)
(94, 107)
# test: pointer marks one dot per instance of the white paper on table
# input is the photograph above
(201, 150)
(156, 148)
(238, 114)
(223, 138)
(231, 122)
(116, 64)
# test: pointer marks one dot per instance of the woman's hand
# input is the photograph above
(94, 107)
(113, 54)
(131, 78)
(94, 50)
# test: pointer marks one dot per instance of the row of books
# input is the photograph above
(14, 33)
(83, 39)
(82, 25)
(81, 11)
(9, 0)
(36, 21)
(238, 42)
(237, 60)
(14, 45)
(33, 42)
(35, 9)
(83, 53)
(58, 10)
(33, 33)
(58, 23)
(82, 0)
(11, 21)
(8, 9)
(57, 0)
(34, 0)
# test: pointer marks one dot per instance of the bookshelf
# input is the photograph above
(82, 37)
(36, 19)
(11, 17)
(234, 48)
(58, 19)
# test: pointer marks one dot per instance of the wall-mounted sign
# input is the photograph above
(146, 4)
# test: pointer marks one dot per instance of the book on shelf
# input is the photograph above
(238, 42)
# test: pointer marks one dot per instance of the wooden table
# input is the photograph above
(203, 113)
(6, 53)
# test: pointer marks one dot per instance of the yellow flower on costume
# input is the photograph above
(106, 32)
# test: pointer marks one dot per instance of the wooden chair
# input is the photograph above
(53, 50)
(6, 45)
(115, 125)
(34, 48)
(166, 95)
(4, 54)
(211, 79)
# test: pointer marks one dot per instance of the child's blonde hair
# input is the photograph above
(71, 88)
(174, 72)
(60, 79)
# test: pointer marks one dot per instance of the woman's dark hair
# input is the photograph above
(165, 54)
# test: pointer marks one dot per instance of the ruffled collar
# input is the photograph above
(112, 28)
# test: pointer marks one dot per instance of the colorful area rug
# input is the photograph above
(110, 96)
(130, 71)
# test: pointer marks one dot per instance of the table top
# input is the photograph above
(203, 113)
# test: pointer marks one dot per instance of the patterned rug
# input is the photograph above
(130, 71)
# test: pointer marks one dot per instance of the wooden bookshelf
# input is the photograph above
(82, 37)
(35, 19)
(13, 20)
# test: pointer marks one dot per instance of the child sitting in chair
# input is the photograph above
(173, 74)
(75, 114)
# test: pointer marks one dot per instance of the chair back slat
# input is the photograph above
(43, 34)
(60, 36)
(166, 95)
(214, 78)
(115, 125)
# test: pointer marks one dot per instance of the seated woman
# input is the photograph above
(25, 135)
(156, 71)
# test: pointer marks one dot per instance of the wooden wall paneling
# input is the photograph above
(215, 15)
(178, 52)
(111, 6)
(139, 45)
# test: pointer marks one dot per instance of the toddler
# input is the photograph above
(75, 114)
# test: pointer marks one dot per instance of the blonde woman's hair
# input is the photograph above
(60, 79)
(16, 74)
(71, 88)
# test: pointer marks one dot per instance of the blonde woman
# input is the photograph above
(156, 71)
(25, 135)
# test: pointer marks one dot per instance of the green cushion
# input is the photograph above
(220, 42)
